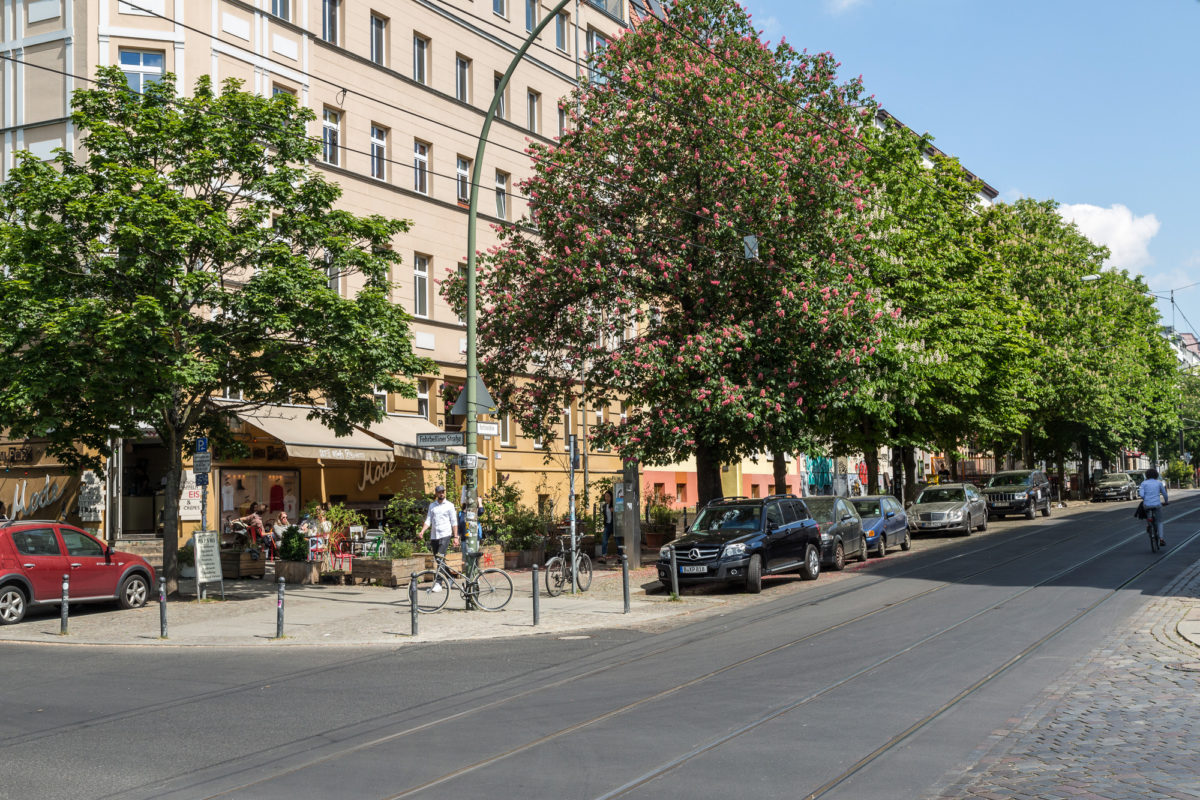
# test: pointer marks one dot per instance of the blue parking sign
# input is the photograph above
(202, 444)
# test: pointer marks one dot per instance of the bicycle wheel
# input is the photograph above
(492, 589)
(556, 576)
(1152, 531)
(429, 601)
(583, 571)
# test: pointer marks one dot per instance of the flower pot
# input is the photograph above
(187, 570)
(298, 572)
(393, 572)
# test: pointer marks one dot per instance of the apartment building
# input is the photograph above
(400, 89)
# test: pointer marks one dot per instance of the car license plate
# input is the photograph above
(930, 524)
(685, 570)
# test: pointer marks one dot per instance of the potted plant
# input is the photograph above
(292, 563)
(186, 558)
(390, 565)
(659, 527)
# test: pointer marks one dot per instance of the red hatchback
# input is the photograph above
(35, 554)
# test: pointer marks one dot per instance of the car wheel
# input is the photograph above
(983, 525)
(12, 605)
(968, 525)
(134, 593)
(812, 564)
(754, 574)
(882, 549)
(863, 553)
(906, 544)
(1046, 510)
(839, 558)
(1031, 512)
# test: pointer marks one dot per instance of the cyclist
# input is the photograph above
(441, 521)
(1154, 497)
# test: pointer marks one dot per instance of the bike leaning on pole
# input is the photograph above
(559, 571)
(489, 589)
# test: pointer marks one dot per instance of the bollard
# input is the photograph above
(674, 574)
(66, 601)
(412, 601)
(162, 609)
(625, 579)
(279, 610)
(536, 610)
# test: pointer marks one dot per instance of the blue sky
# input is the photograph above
(1094, 104)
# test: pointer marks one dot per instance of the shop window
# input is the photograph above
(681, 493)
(277, 490)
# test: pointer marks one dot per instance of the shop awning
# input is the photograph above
(309, 438)
(402, 432)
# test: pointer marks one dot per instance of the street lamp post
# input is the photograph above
(470, 467)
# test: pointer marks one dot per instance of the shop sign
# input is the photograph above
(374, 472)
(21, 454)
(91, 497)
(208, 557)
(25, 503)
(190, 497)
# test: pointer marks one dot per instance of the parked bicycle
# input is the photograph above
(559, 570)
(489, 589)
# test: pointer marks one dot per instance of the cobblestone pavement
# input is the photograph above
(1123, 724)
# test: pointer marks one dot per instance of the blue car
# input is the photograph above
(883, 521)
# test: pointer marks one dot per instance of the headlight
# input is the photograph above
(735, 549)
(956, 514)
(664, 552)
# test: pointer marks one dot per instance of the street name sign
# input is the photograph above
(487, 428)
(441, 439)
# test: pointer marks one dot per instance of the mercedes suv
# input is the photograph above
(740, 539)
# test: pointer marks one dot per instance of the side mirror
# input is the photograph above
(890, 514)
(845, 517)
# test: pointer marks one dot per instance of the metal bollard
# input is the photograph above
(625, 579)
(537, 611)
(66, 601)
(674, 574)
(279, 610)
(162, 609)
(412, 601)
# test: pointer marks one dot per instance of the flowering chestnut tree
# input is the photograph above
(629, 280)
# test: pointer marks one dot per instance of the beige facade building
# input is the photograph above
(400, 89)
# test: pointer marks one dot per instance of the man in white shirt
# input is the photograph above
(441, 520)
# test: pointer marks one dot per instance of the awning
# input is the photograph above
(402, 432)
(309, 438)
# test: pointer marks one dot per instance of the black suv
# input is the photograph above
(1021, 491)
(740, 539)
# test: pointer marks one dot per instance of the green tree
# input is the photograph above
(186, 250)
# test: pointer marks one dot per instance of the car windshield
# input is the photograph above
(821, 508)
(867, 508)
(724, 518)
(1008, 478)
(941, 495)
(1113, 480)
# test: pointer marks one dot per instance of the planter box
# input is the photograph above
(656, 536)
(489, 556)
(393, 572)
(298, 572)
(239, 564)
(520, 559)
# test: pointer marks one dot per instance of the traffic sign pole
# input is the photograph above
(201, 465)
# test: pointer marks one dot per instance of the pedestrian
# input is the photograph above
(606, 507)
(1154, 496)
(441, 520)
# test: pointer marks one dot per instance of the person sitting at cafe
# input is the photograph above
(254, 523)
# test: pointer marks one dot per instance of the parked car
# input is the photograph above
(841, 530)
(1115, 486)
(740, 539)
(948, 506)
(884, 521)
(1019, 491)
(1138, 475)
(35, 554)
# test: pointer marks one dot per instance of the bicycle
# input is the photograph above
(489, 589)
(1152, 528)
(558, 572)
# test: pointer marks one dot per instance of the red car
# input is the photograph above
(35, 554)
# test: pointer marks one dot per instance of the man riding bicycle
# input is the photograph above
(1154, 497)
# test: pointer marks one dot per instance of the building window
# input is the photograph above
(333, 277)
(229, 393)
(463, 179)
(141, 68)
(331, 129)
(282, 8)
(681, 493)
(379, 40)
(562, 24)
(423, 397)
(462, 79)
(380, 398)
(501, 194)
(500, 7)
(331, 11)
(531, 19)
(596, 44)
(505, 430)
(420, 167)
(277, 90)
(421, 286)
(495, 87)
(379, 152)
(420, 58)
(534, 105)
(562, 120)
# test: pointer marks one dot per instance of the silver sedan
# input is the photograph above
(949, 506)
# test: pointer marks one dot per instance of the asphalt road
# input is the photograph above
(874, 686)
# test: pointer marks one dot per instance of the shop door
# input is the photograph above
(91, 575)
(41, 561)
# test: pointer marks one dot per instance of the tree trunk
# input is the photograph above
(871, 457)
(954, 472)
(910, 473)
(1061, 460)
(1085, 466)
(898, 473)
(708, 476)
(780, 465)
(170, 567)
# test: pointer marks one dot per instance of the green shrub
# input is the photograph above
(403, 549)
(294, 546)
(185, 557)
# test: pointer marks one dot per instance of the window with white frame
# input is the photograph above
(495, 86)
(282, 8)
(502, 179)
(331, 12)
(462, 179)
(141, 68)
(462, 78)
(420, 286)
(423, 397)
(230, 393)
(276, 89)
(531, 19)
(534, 111)
(596, 44)
(379, 27)
(420, 59)
(379, 137)
(562, 24)
(420, 167)
(506, 430)
(331, 131)
(333, 274)
(380, 398)
(562, 120)
(500, 7)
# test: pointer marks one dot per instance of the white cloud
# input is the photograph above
(1127, 236)
(770, 30)
(839, 6)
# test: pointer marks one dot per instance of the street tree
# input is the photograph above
(188, 250)
(631, 281)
